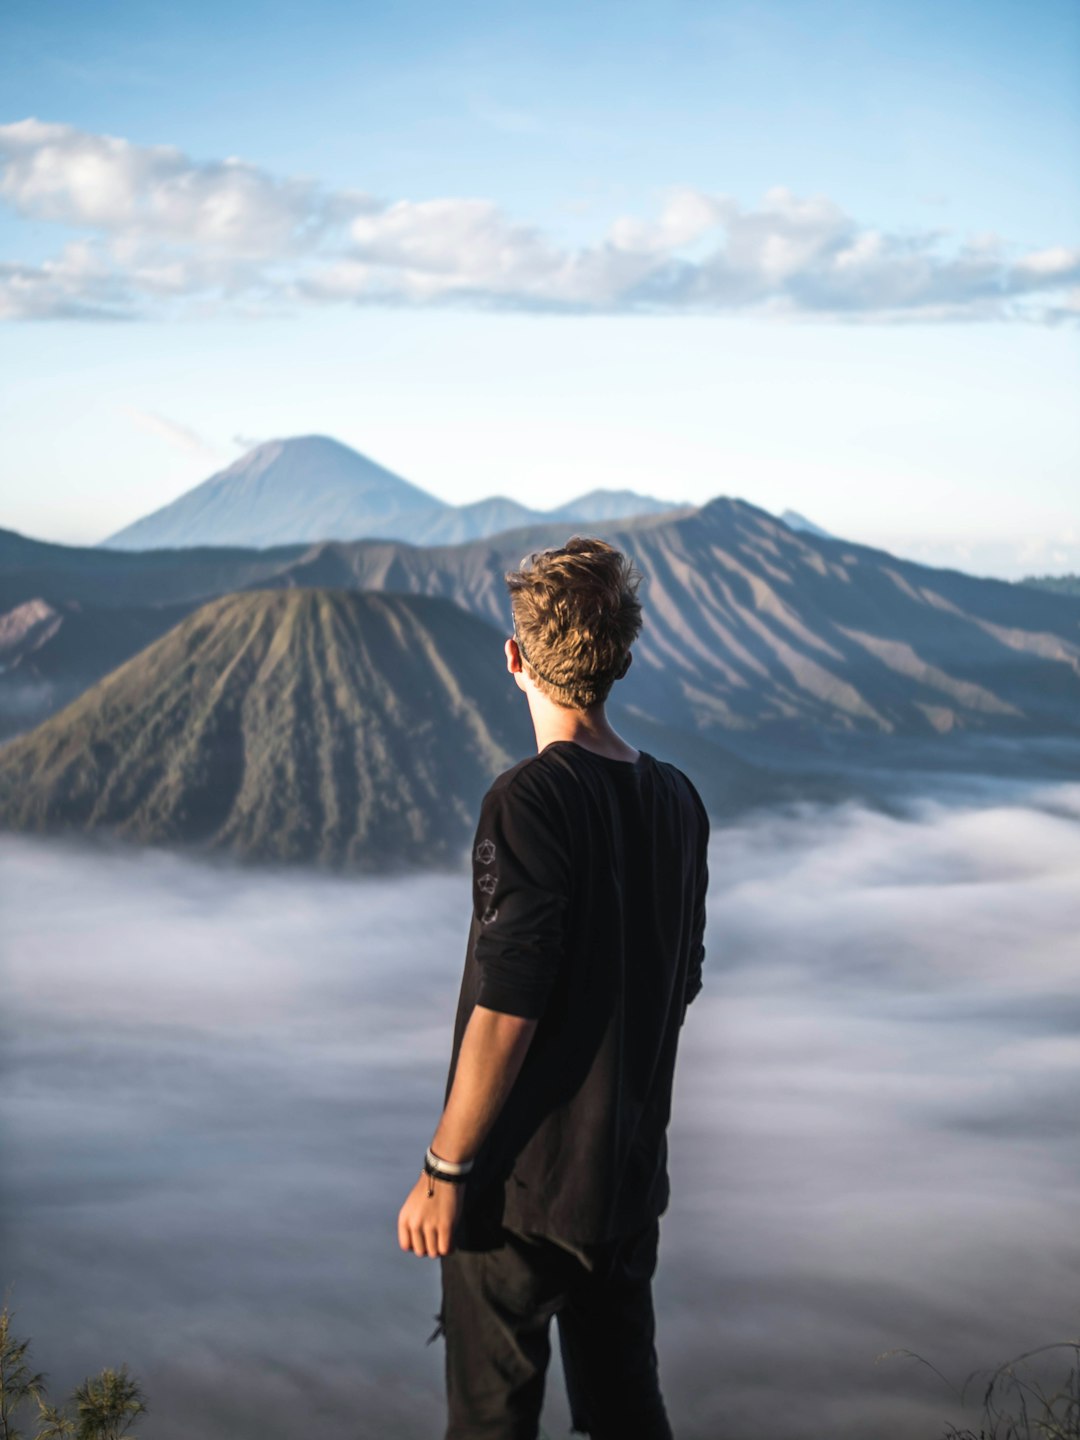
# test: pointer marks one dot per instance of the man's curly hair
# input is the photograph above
(576, 615)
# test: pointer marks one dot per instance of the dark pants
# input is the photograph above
(496, 1311)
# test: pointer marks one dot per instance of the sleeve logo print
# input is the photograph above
(488, 915)
(487, 883)
(485, 852)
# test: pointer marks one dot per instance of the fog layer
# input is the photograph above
(218, 1084)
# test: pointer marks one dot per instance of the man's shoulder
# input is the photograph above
(689, 793)
(534, 777)
(530, 803)
(679, 778)
(688, 785)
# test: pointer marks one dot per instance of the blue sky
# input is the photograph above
(818, 255)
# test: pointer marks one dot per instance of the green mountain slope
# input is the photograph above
(353, 729)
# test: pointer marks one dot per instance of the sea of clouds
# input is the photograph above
(218, 1082)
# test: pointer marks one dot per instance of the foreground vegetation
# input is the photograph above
(1015, 1406)
(101, 1408)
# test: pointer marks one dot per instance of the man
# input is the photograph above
(546, 1177)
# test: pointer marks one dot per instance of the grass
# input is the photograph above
(1015, 1406)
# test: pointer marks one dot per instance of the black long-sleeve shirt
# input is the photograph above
(589, 883)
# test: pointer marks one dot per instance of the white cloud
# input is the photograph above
(1059, 262)
(454, 242)
(163, 233)
(79, 284)
(136, 193)
(687, 215)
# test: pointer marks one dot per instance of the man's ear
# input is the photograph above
(626, 666)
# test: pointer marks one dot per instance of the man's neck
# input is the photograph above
(588, 728)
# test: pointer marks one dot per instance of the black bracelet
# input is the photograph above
(444, 1174)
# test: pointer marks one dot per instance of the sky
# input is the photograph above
(873, 1141)
(822, 256)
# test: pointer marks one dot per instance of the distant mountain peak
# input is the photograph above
(303, 488)
(267, 451)
(729, 507)
(603, 506)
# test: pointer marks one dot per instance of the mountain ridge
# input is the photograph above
(749, 625)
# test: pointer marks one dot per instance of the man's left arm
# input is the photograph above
(493, 1047)
(521, 895)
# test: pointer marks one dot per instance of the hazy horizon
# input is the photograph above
(975, 552)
